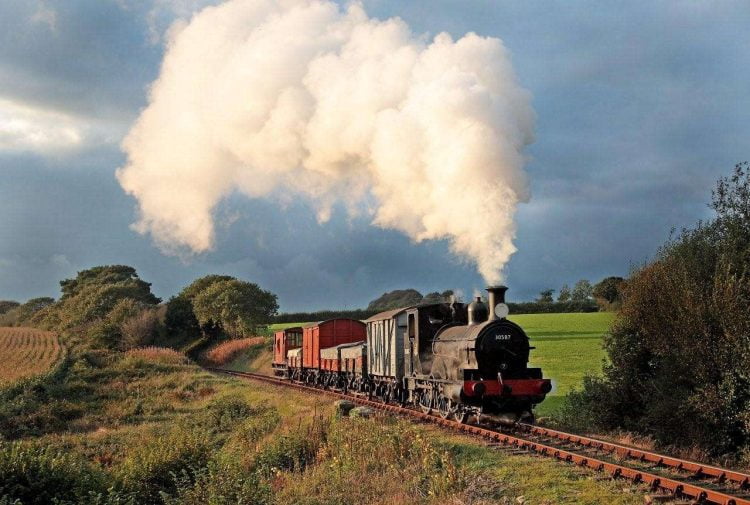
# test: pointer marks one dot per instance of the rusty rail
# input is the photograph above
(675, 486)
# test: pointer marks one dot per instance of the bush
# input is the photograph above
(162, 463)
(38, 475)
(680, 345)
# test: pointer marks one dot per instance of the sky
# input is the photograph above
(640, 107)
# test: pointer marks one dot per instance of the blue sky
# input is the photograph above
(640, 108)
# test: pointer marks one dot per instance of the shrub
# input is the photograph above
(140, 329)
(39, 475)
(160, 464)
(680, 345)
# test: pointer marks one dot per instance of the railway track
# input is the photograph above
(671, 477)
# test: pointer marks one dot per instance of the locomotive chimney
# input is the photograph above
(496, 295)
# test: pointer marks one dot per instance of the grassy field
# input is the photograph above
(26, 352)
(149, 427)
(568, 346)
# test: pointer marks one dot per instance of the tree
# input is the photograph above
(436, 297)
(545, 296)
(680, 343)
(237, 307)
(607, 292)
(202, 283)
(564, 295)
(105, 275)
(6, 305)
(582, 291)
(180, 318)
(396, 299)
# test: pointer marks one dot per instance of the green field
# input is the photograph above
(568, 346)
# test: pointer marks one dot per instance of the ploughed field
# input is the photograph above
(25, 352)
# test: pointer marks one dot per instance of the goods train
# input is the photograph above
(452, 359)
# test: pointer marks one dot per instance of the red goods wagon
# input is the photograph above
(286, 340)
(329, 334)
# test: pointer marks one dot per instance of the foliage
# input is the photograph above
(564, 295)
(681, 342)
(6, 305)
(546, 296)
(608, 292)
(582, 291)
(436, 297)
(239, 308)
(180, 321)
(20, 314)
(322, 315)
(395, 299)
(37, 475)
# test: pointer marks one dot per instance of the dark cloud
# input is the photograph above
(641, 107)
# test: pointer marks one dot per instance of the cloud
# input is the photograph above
(24, 128)
(304, 98)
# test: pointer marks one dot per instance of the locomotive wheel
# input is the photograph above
(425, 402)
(461, 416)
(444, 406)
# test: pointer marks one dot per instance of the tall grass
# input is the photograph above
(226, 351)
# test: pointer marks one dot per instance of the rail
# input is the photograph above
(705, 484)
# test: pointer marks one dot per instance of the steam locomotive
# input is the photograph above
(452, 359)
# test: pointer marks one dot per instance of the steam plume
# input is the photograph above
(256, 96)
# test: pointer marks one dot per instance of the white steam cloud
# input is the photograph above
(302, 97)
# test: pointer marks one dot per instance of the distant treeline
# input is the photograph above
(322, 315)
(361, 314)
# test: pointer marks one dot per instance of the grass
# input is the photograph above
(282, 326)
(27, 352)
(568, 346)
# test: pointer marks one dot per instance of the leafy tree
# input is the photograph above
(6, 305)
(564, 295)
(237, 307)
(582, 291)
(545, 296)
(180, 319)
(607, 292)
(22, 314)
(436, 297)
(396, 299)
(202, 283)
(680, 345)
(102, 275)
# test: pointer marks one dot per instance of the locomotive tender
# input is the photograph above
(453, 359)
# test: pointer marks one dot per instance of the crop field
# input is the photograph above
(25, 352)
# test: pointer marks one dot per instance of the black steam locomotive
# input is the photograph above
(453, 359)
